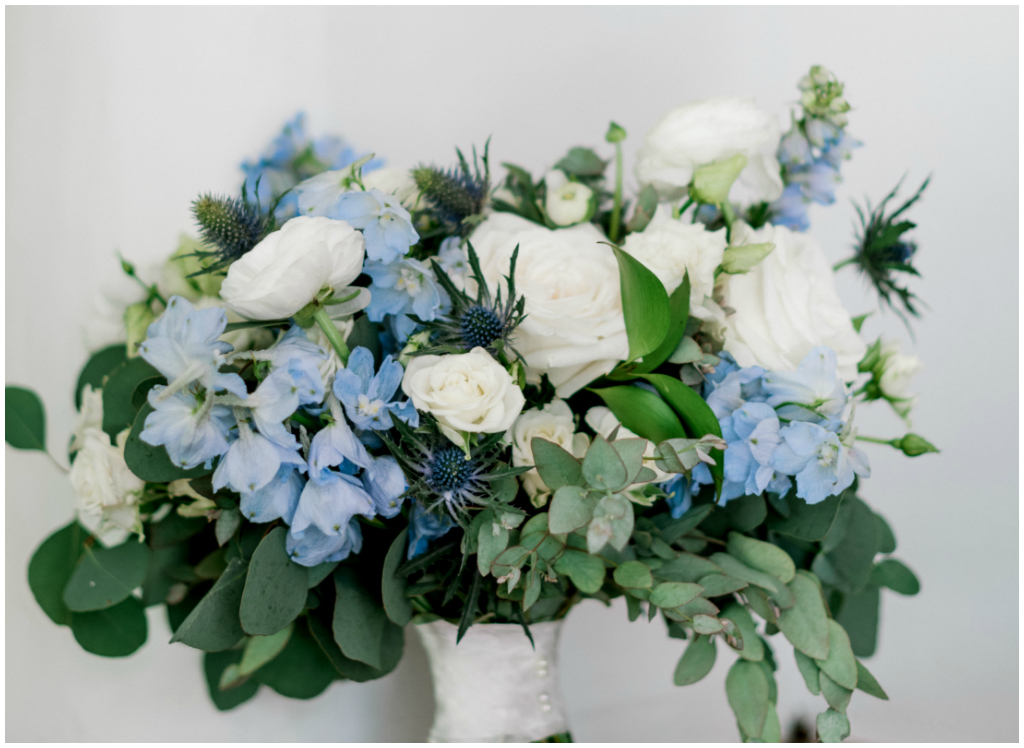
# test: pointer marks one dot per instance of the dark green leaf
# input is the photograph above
(391, 652)
(679, 311)
(644, 305)
(24, 419)
(806, 521)
(746, 512)
(677, 528)
(158, 583)
(642, 412)
(646, 205)
(687, 567)
(106, 576)
(319, 573)
(51, 567)
(896, 576)
(360, 623)
(118, 411)
(97, 368)
(854, 554)
(886, 539)
(111, 632)
(586, 572)
(582, 162)
(301, 670)
(214, 664)
(275, 588)
(806, 624)
(152, 463)
(227, 523)
(396, 604)
(174, 528)
(866, 682)
(858, 614)
(213, 625)
(696, 662)
(746, 686)
(734, 567)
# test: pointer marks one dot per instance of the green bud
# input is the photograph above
(137, 319)
(127, 267)
(615, 134)
(304, 317)
(872, 357)
(416, 342)
(712, 182)
(913, 445)
(739, 260)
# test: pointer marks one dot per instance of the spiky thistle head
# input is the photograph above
(457, 194)
(229, 226)
(882, 253)
(483, 321)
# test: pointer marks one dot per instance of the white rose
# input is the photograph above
(467, 392)
(553, 422)
(603, 422)
(670, 248)
(108, 492)
(704, 131)
(898, 370)
(283, 273)
(574, 330)
(787, 305)
(566, 202)
(90, 416)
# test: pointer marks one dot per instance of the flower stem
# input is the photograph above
(684, 208)
(613, 228)
(844, 263)
(729, 217)
(327, 325)
(875, 440)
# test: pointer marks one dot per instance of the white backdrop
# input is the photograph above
(117, 118)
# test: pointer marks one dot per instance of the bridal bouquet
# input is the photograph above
(366, 397)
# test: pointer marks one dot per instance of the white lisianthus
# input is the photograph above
(553, 422)
(670, 248)
(286, 270)
(787, 305)
(108, 492)
(711, 130)
(317, 195)
(574, 330)
(898, 370)
(466, 392)
(90, 416)
(603, 422)
(566, 202)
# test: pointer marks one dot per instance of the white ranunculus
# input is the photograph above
(108, 492)
(603, 422)
(286, 270)
(670, 248)
(704, 131)
(898, 370)
(90, 416)
(566, 202)
(787, 305)
(466, 392)
(574, 330)
(553, 422)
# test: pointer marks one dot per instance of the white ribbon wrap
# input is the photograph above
(494, 687)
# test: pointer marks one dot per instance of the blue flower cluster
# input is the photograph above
(780, 427)
(810, 155)
(291, 157)
(318, 485)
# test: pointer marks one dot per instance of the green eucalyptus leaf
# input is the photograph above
(158, 582)
(858, 615)
(760, 555)
(634, 575)
(492, 540)
(746, 687)
(837, 697)
(840, 665)
(360, 624)
(687, 567)
(896, 576)
(396, 604)
(214, 625)
(392, 647)
(275, 589)
(833, 727)
(753, 647)
(644, 305)
(603, 468)
(612, 524)
(810, 522)
(118, 409)
(215, 664)
(571, 508)
(646, 205)
(806, 624)
(677, 528)
(642, 412)
(706, 624)
(227, 524)
(259, 650)
(866, 682)
(686, 352)
(697, 661)
(150, 463)
(557, 467)
(320, 572)
(734, 567)
(809, 670)
(674, 594)
(772, 727)
(582, 162)
(760, 604)
(886, 538)
(716, 585)
(24, 419)
(301, 670)
(106, 576)
(117, 631)
(96, 369)
(853, 555)
(746, 512)
(586, 572)
(51, 567)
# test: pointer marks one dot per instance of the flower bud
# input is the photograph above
(137, 319)
(615, 134)
(739, 260)
(913, 445)
(712, 182)
(567, 202)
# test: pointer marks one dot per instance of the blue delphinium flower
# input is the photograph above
(329, 503)
(425, 527)
(735, 388)
(818, 181)
(183, 345)
(400, 288)
(276, 500)
(335, 444)
(385, 482)
(790, 210)
(367, 397)
(811, 393)
(252, 461)
(817, 458)
(313, 547)
(386, 225)
(679, 492)
(276, 398)
(302, 357)
(453, 260)
(752, 433)
(193, 434)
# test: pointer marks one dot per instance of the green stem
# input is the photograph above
(844, 263)
(613, 229)
(327, 325)
(729, 217)
(875, 440)
(686, 206)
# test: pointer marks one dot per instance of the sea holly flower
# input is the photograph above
(192, 431)
(425, 527)
(368, 397)
(329, 503)
(252, 461)
(401, 288)
(276, 500)
(183, 345)
(313, 547)
(386, 484)
(816, 457)
(335, 444)
(814, 390)
(386, 225)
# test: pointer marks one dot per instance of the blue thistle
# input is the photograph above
(230, 226)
